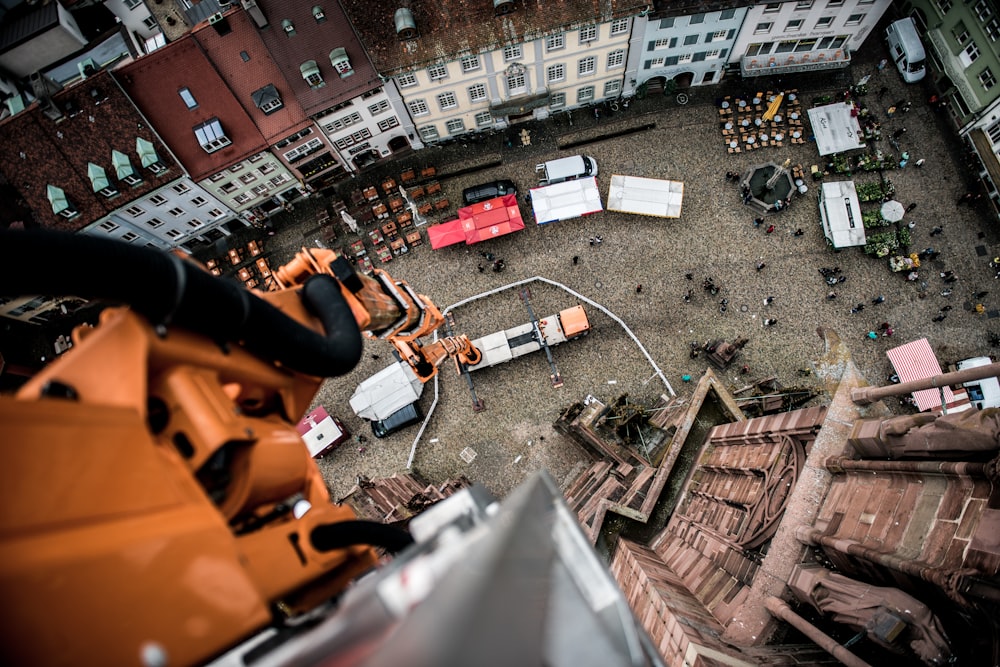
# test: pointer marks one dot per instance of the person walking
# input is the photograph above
(911, 206)
(937, 229)
(919, 163)
(770, 229)
(911, 224)
(830, 296)
(576, 259)
(768, 300)
(638, 289)
(760, 266)
(798, 232)
(757, 222)
(899, 133)
(879, 299)
(770, 322)
(939, 318)
(881, 66)
(857, 309)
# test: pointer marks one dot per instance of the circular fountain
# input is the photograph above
(767, 184)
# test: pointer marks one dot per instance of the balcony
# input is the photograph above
(520, 105)
(954, 68)
(785, 63)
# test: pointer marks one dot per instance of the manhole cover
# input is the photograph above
(468, 455)
(598, 284)
(744, 308)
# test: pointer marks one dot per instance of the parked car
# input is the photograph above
(405, 416)
(566, 169)
(484, 191)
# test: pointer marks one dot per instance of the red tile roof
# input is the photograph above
(315, 41)
(57, 153)
(248, 76)
(446, 28)
(154, 81)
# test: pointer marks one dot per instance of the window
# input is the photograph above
(477, 92)
(969, 54)
(279, 179)
(713, 54)
(982, 9)
(772, 7)
(718, 36)
(379, 107)
(311, 74)
(690, 39)
(585, 94)
(266, 168)
(157, 200)
(555, 73)
(987, 79)
(188, 98)
(199, 201)
(237, 168)
(455, 126)
(245, 56)
(419, 108)
(666, 23)
(150, 22)
(134, 211)
(181, 188)
(793, 25)
(288, 27)
(993, 29)
(215, 178)
(388, 123)
(470, 63)
(210, 135)
(484, 119)
(173, 233)
(656, 62)
(616, 58)
(588, 33)
(662, 43)
(447, 101)
(132, 4)
(128, 237)
(855, 19)
(587, 66)
(612, 88)
(785, 47)
(437, 72)
(305, 149)
(176, 212)
(319, 14)
(228, 187)
(762, 28)
(194, 223)
(944, 5)
(805, 45)
(697, 18)
(516, 83)
(727, 14)
(824, 21)
(619, 27)
(511, 52)
(555, 42)
(758, 49)
(108, 226)
(154, 222)
(429, 133)
(406, 80)
(684, 59)
(257, 158)
(216, 213)
(557, 100)
(260, 189)
(838, 42)
(804, 4)
(248, 178)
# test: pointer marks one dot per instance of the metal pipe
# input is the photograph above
(780, 609)
(841, 464)
(866, 395)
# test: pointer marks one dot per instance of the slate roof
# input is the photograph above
(59, 153)
(245, 78)
(315, 41)
(448, 27)
(154, 81)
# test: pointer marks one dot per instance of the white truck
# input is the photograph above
(502, 346)
(645, 196)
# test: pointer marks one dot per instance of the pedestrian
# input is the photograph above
(744, 369)
(904, 160)
(687, 297)
(778, 205)
(689, 276)
(965, 199)
(947, 274)
(598, 240)
(768, 300)
(830, 296)
(912, 276)
(946, 293)
(592, 241)
(879, 299)
(899, 133)
(881, 66)
(638, 289)
(760, 266)
(888, 332)
(857, 309)
(939, 318)
(576, 259)
(770, 322)
(770, 229)
(937, 229)
(872, 335)
(910, 207)
(890, 111)
(746, 197)
(842, 279)
(798, 232)
(911, 224)
(376, 357)
(757, 222)
(951, 279)
(906, 106)
(945, 309)
(919, 163)
(979, 295)
(979, 308)
(882, 91)
(481, 268)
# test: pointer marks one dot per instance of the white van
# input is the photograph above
(566, 169)
(906, 49)
(983, 393)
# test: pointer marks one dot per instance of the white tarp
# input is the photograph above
(566, 200)
(840, 212)
(387, 391)
(835, 128)
(645, 196)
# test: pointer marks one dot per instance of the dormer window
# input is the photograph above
(99, 181)
(211, 136)
(288, 27)
(318, 14)
(61, 205)
(310, 72)
(341, 63)
(267, 99)
(97, 95)
(148, 156)
(124, 171)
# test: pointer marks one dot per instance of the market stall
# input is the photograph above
(566, 200)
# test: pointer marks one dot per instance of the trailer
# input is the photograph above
(322, 432)
(567, 200)
(645, 196)
(503, 346)
(386, 392)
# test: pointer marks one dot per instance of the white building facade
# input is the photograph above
(142, 27)
(373, 122)
(532, 79)
(803, 35)
(255, 183)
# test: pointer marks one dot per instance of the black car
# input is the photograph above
(484, 191)
(401, 418)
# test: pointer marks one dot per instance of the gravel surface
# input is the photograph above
(714, 237)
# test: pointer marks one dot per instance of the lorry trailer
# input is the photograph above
(502, 346)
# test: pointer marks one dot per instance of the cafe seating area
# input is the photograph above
(749, 123)
(247, 264)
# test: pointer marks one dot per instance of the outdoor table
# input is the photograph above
(792, 97)
(366, 265)
(750, 140)
(211, 264)
(779, 136)
(234, 257)
(251, 283)
(216, 271)
(262, 266)
(404, 218)
(376, 236)
(358, 248)
(763, 137)
(398, 246)
(244, 274)
(380, 211)
(413, 238)
(389, 228)
(389, 185)
(384, 253)
(253, 248)
(756, 100)
(733, 144)
(370, 193)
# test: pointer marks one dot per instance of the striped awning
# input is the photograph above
(917, 361)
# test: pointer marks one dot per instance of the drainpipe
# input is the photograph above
(867, 395)
(838, 465)
(779, 609)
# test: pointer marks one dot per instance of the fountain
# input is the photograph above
(418, 220)
(768, 183)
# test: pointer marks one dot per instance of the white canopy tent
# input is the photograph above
(840, 212)
(646, 196)
(563, 201)
(836, 129)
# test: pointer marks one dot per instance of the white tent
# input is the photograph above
(840, 212)
(569, 199)
(387, 391)
(835, 128)
(645, 196)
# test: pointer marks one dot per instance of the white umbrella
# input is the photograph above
(892, 211)
(351, 223)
